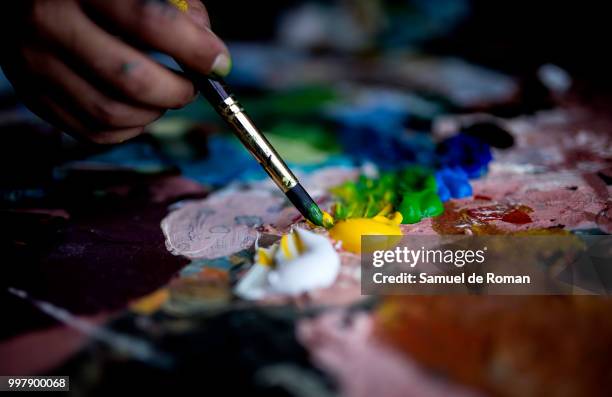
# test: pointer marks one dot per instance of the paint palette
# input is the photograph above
(171, 225)
(327, 335)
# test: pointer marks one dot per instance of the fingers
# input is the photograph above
(122, 67)
(55, 112)
(163, 27)
(100, 109)
(56, 108)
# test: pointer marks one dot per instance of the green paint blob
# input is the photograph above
(299, 102)
(411, 191)
(302, 144)
(313, 134)
(419, 195)
(295, 102)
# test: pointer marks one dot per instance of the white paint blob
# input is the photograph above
(302, 261)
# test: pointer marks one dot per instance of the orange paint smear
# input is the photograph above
(464, 337)
(151, 303)
(477, 221)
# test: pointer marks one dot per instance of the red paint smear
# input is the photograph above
(489, 213)
(517, 217)
(482, 197)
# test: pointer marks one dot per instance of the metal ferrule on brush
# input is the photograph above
(257, 144)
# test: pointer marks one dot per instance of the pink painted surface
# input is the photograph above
(38, 351)
(344, 346)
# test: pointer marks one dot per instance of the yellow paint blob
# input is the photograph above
(285, 246)
(180, 4)
(349, 231)
(263, 258)
(328, 220)
(150, 303)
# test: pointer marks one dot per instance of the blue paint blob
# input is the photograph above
(452, 183)
(133, 155)
(227, 162)
(466, 152)
(388, 150)
(377, 134)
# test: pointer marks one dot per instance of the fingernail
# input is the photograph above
(222, 65)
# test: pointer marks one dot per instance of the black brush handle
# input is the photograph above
(213, 87)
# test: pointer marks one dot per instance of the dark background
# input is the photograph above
(514, 36)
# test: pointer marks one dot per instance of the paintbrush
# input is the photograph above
(220, 97)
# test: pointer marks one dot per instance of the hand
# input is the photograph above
(75, 62)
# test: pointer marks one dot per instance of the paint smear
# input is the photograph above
(139, 349)
(304, 144)
(344, 344)
(222, 224)
(510, 346)
(208, 289)
(150, 303)
(507, 213)
(230, 220)
(480, 220)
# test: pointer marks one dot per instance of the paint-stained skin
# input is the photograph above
(169, 8)
(128, 67)
(180, 4)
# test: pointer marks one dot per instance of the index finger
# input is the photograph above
(162, 26)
